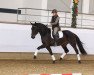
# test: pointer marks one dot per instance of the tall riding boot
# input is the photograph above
(56, 37)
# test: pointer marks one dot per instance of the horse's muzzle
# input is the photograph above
(32, 37)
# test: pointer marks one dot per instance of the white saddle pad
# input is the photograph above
(60, 34)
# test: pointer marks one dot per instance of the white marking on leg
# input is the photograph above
(63, 55)
(53, 57)
(78, 56)
(36, 53)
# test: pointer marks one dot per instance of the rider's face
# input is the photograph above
(54, 14)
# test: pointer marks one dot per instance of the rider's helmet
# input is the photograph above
(54, 11)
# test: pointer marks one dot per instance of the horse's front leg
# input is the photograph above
(36, 52)
(50, 51)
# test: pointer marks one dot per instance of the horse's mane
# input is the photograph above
(43, 28)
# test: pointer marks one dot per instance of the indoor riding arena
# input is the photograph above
(46, 37)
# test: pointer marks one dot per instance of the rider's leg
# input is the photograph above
(55, 34)
(56, 29)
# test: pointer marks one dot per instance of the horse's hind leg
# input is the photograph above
(50, 51)
(65, 50)
(36, 52)
(77, 52)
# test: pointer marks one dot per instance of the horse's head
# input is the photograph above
(34, 30)
(41, 28)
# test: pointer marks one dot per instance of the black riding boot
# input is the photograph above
(56, 37)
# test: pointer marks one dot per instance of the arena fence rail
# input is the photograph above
(44, 16)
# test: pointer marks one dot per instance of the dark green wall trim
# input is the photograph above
(7, 10)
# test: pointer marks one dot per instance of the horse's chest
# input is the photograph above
(45, 39)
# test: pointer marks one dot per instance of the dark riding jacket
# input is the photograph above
(55, 22)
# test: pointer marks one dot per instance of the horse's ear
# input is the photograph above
(32, 23)
(35, 22)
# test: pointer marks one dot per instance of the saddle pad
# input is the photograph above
(60, 34)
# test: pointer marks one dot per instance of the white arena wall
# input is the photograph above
(10, 4)
(15, 4)
(17, 38)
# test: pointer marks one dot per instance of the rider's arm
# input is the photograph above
(57, 19)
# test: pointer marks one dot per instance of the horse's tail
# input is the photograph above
(81, 48)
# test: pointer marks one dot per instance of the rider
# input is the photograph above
(55, 25)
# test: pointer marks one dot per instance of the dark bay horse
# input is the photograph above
(47, 41)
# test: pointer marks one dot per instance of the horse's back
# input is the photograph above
(68, 33)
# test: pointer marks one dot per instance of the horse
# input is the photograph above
(47, 41)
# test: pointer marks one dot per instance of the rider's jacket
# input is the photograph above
(55, 21)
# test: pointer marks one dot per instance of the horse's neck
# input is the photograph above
(46, 34)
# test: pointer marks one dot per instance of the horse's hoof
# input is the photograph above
(79, 62)
(60, 59)
(53, 62)
(35, 57)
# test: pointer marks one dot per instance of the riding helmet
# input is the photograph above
(54, 11)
